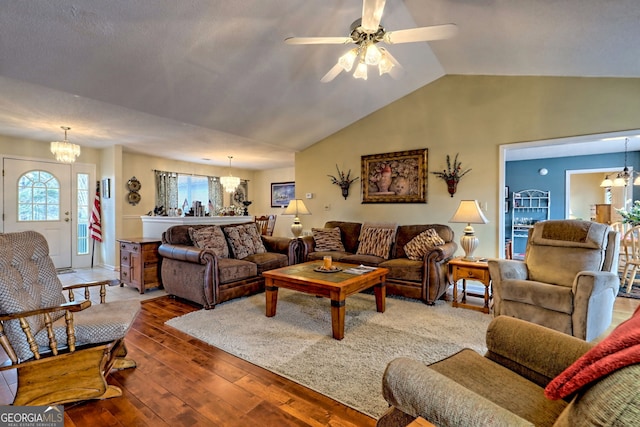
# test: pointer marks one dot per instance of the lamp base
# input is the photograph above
(296, 227)
(469, 243)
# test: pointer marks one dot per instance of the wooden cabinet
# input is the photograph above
(140, 263)
(470, 270)
(603, 214)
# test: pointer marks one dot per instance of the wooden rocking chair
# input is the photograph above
(266, 224)
(62, 350)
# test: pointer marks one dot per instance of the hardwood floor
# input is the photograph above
(182, 381)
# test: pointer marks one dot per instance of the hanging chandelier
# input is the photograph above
(622, 178)
(230, 183)
(64, 151)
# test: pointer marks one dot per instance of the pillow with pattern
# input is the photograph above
(210, 238)
(327, 239)
(244, 240)
(376, 241)
(423, 243)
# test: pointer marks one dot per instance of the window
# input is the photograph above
(83, 207)
(192, 188)
(38, 197)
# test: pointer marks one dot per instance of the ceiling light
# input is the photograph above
(623, 178)
(230, 183)
(361, 71)
(346, 60)
(385, 65)
(372, 54)
(64, 151)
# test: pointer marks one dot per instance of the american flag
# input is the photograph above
(94, 223)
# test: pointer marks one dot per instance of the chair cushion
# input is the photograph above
(376, 241)
(29, 281)
(423, 243)
(544, 295)
(327, 239)
(500, 385)
(97, 324)
(210, 238)
(244, 240)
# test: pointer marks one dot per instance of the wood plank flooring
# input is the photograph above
(181, 381)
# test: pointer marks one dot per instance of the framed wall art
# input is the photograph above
(281, 193)
(399, 177)
(106, 188)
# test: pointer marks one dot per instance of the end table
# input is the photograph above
(473, 270)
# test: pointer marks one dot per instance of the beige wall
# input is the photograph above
(470, 115)
(260, 194)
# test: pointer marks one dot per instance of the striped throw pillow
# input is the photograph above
(327, 239)
(376, 241)
(422, 243)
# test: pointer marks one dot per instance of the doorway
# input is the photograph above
(43, 196)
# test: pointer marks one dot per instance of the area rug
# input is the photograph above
(297, 342)
(634, 293)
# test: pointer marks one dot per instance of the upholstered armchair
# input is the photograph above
(567, 281)
(62, 350)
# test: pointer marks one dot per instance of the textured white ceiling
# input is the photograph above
(200, 79)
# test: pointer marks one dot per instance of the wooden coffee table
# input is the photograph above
(335, 286)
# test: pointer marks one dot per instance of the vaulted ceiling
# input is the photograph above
(205, 79)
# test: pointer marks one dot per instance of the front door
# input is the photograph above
(37, 196)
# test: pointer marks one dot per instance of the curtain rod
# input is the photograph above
(194, 174)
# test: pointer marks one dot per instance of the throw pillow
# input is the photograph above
(376, 241)
(327, 239)
(210, 238)
(244, 240)
(422, 243)
(619, 349)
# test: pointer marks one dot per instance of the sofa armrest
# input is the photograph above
(182, 253)
(507, 269)
(532, 351)
(282, 245)
(307, 245)
(442, 252)
(418, 390)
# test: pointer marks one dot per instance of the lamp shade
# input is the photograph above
(296, 207)
(469, 212)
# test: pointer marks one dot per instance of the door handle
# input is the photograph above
(67, 220)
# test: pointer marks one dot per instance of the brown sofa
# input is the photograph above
(425, 279)
(201, 276)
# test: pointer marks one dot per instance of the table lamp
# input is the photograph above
(296, 207)
(469, 211)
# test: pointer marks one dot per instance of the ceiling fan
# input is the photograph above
(366, 33)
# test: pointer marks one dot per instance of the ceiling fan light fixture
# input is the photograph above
(361, 71)
(346, 61)
(385, 64)
(372, 54)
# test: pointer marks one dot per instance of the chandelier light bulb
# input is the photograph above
(385, 65)
(372, 54)
(346, 60)
(361, 71)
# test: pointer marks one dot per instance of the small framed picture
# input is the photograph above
(506, 206)
(506, 191)
(106, 188)
(281, 193)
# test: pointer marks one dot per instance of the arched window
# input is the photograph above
(38, 197)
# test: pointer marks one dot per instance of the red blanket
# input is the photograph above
(621, 348)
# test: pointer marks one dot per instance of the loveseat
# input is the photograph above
(530, 376)
(386, 245)
(210, 264)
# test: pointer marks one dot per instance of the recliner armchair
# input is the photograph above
(62, 350)
(568, 280)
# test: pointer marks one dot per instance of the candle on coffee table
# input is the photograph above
(326, 263)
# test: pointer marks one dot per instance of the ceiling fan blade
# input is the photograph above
(332, 74)
(371, 15)
(318, 40)
(421, 34)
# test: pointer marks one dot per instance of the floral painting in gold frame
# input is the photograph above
(399, 177)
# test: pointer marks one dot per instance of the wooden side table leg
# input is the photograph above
(337, 318)
(464, 291)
